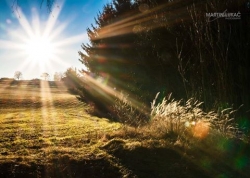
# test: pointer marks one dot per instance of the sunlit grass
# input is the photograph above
(26, 130)
(46, 130)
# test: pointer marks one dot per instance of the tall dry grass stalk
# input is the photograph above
(128, 113)
(187, 119)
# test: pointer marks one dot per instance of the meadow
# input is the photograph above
(46, 132)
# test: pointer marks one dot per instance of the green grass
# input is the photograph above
(47, 132)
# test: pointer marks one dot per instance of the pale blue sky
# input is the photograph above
(66, 23)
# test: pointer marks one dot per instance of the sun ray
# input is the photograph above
(52, 20)
(16, 35)
(40, 48)
(71, 40)
(24, 22)
(49, 111)
(36, 22)
(146, 19)
(57, 60)
(4, 44)
(109, 94)
(58, 30)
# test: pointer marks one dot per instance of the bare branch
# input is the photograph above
(49, 4)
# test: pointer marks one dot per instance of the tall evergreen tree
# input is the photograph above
(112, 52)
(146, 46)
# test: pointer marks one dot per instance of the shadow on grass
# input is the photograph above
(61, 168)
(157, 163)
(137, 161)
(161, 162)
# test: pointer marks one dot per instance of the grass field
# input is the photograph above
(47, 132)
(39, 125)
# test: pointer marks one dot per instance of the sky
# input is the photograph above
(34, 40)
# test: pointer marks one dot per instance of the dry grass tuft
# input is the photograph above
(128, 113)
(186, 120)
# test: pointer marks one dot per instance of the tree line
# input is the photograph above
(58, 76)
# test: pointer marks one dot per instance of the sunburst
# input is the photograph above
(40, 43)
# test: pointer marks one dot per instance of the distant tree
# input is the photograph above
(18, 75)
(58, 76)
(45, 76)
(71, 79)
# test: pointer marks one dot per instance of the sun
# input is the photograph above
(40, 45)
(39, 49)
(39, 42)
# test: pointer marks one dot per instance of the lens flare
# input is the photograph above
(200, 129)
